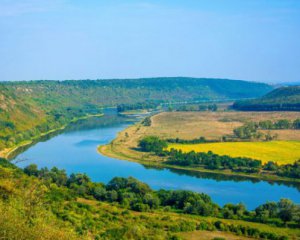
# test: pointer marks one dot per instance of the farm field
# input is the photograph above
(282, 152)
(211, 125)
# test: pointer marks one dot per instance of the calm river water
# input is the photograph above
(75, 149)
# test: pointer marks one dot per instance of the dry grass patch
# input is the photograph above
(213, 125)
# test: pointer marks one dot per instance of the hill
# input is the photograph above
(31, 108)
(281, 99)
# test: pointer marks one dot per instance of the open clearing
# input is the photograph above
(282, 152)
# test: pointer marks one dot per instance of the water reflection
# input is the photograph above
(223, 177)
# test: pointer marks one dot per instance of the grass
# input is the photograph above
(282, 152)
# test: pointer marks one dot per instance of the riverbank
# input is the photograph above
(5, 153)
(124, 147)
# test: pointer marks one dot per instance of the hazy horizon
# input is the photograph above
(104, 79)
(253, 40)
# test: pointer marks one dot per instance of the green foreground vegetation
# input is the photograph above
(48, 204)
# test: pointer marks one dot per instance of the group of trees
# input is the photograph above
(147, 121)
(152, 144)
(250, 131)
(279, 124)
(194, 107)
(285, 210)
(213, 161)
(289, 170)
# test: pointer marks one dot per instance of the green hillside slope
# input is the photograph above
(49, 204)
(31, 108)
(281, 99)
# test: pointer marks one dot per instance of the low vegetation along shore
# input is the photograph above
(213, 126)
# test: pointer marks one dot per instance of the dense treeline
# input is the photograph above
(148, 105)
(279, 124)
(192, 141)
(281, 99)
(213, 161)
(193, 107)
(288, 170)
(30, 108)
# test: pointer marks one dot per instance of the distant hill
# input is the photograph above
(286, 84)
(29, 108)
(280, 99)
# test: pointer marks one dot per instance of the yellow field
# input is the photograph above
(282, 152)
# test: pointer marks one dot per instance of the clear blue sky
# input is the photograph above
(255, 40)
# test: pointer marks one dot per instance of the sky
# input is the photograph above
(256, 40)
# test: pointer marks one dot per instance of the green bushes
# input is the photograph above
(135, 195)
(72, 200)
(152, 144)
(147, 121)
(212, 161)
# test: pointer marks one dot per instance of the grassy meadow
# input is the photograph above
(282, 152)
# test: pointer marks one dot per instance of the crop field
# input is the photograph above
(282, 152)
(213, 125)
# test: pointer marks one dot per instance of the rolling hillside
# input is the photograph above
(281, 99)
(31, 108)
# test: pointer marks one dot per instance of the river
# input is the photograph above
(75, 150)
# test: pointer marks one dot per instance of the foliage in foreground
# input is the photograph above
(48, 204)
